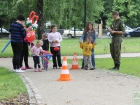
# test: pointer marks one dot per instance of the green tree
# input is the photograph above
(69, 13)
(129, 11)
(54, 11)
(64, 13)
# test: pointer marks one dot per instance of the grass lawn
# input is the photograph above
(129, 66)
(69, 46)
(10, 85)
(72, 45)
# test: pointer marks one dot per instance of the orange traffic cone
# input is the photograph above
(75, 65)
(64, 76)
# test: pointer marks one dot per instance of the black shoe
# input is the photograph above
(85, 68)
(92, 69)
(82, 67)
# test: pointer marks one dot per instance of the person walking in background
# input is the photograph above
(55, 38)
(89, 32)
(117, 30)
(17, 36)
(24, 55)
(87, 47)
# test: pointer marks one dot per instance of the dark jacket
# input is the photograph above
(17, 31)
(45, 45)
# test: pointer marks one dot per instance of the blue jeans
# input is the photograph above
(92, 58)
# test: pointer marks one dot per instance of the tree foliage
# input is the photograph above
(129, 11)
(65, 13)
(70, 13)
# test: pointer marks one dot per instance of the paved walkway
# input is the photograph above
(98, 87)
(109, 56)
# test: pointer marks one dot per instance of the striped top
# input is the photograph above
(17, 31)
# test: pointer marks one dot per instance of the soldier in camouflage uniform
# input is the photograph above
(117, 30)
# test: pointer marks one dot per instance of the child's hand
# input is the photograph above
(89, 42)
(80, 42)
(94, 43)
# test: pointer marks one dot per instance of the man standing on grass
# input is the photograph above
(117, 30)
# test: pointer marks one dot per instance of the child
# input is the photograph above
(89, 32)
(87, 51)
(36, 50)
(45, 45)
(55, 38)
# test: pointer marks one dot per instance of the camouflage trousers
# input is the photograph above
(115, 49)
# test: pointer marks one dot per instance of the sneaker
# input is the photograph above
(19, 71)
(92, 68)
(35, 70)
(39, 70)
(29, 67)
(22, 68)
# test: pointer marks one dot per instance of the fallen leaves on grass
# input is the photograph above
(20, 100)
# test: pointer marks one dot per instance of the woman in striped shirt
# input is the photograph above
(18, 34)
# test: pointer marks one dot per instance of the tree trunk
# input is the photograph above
(41, 18)
(74, 33)
(0, 28)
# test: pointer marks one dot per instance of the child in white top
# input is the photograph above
(36, 50)
(55, 38)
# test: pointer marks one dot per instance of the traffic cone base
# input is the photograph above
(75, 67)
(64, 77)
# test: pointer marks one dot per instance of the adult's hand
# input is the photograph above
(112, 32)
(53, 41)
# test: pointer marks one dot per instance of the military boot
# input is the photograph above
(116, 67)
(113, 67)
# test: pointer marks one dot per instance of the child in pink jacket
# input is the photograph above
(36, 50)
